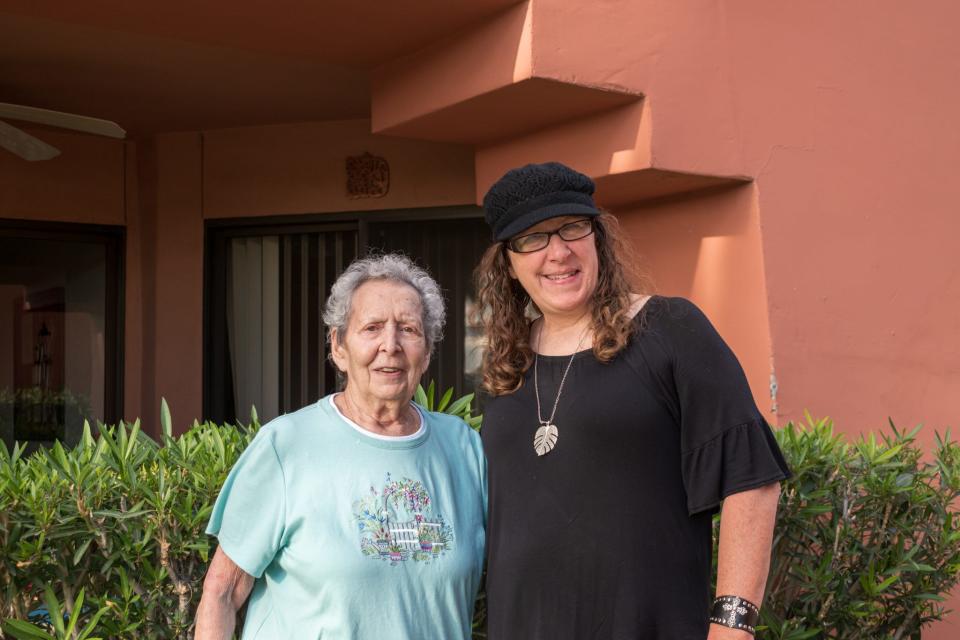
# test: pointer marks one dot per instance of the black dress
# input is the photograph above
(608, 535)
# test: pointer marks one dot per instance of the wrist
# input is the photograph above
(720, 632)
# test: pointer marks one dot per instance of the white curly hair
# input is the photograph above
(395, 267)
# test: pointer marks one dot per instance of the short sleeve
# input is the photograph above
(248, 516)
(727, 446)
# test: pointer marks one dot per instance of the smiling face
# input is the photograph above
(383, 352)
(561, 278)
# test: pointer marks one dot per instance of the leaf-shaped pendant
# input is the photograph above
(545, 439)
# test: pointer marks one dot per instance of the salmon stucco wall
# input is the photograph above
(83, 184)
(301, 168)
(133, 294)
(854, 145)
(171, 224)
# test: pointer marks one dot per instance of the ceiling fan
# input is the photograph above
(28, 147)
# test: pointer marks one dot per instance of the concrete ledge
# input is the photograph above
(481, 86)
(509, 111)
(616, 148)
(621, 190)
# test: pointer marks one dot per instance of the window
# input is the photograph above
(60, 310)
(265, 340)
(267, 281)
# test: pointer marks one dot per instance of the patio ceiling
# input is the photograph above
(173, 66)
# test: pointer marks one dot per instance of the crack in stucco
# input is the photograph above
(780, 147)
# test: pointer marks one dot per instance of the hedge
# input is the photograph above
(106, 540)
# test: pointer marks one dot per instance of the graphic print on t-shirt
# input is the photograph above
(398, 523)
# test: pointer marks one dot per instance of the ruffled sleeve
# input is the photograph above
(726, 444)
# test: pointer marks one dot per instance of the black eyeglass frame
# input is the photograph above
(558, 232)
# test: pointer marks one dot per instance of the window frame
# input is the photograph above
(113, 238)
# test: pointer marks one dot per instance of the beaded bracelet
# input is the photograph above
(736, 613)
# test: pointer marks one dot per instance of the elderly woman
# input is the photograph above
(362, 515)
(616, 425)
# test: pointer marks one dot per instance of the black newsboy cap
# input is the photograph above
(534, 193)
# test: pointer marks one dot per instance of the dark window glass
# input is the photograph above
(59, 338)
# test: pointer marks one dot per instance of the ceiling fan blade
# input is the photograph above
(63, 120)
(25, 145)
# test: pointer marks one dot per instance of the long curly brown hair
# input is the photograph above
(502, 307)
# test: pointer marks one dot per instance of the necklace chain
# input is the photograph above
(536, 383)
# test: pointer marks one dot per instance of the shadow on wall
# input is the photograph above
(613, 141)
(693, 245)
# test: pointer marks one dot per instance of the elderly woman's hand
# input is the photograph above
(225, 589)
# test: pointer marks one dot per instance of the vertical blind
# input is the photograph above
(266, 343)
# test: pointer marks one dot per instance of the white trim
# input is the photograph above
(376, 436)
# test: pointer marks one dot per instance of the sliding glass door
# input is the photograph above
(60, 305)
(265, 339)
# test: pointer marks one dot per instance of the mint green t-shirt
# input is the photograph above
(355, 536)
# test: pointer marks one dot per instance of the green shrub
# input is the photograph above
(108, 536)
(119, 518)
(868, 536)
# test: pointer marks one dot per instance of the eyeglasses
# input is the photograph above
(539, 240)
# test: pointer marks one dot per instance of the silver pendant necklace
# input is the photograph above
(545, 439)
